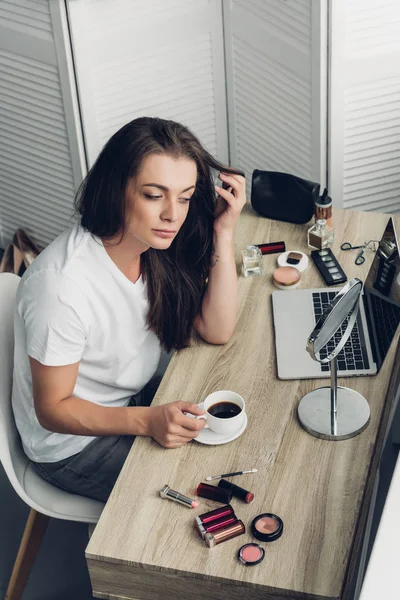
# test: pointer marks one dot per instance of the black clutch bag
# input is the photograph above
(283, 197)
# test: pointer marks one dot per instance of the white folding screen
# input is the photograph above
(364, 116)
(41, 160)
(276, 57)
(150, 58)
(166, 58)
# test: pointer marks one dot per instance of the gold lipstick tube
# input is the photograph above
(224, 534)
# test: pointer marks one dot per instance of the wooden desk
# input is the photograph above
(147, 548)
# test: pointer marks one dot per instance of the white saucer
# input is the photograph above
(211, 438)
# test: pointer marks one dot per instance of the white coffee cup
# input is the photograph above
(223, 425)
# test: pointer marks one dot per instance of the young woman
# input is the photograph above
(151, 259)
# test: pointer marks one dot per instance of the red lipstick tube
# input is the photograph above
(203, 521)
(216, 525)
(237, 491)
(212, 492)
(271, 247)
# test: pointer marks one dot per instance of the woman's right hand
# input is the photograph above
(169, 426)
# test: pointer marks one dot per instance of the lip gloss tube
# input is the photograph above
(271, 247)
(224, 534)
(166, 492)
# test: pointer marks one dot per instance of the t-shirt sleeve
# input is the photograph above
(56, 318)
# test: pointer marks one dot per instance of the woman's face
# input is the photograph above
(158, 199)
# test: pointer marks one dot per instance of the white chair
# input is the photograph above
(44, 499)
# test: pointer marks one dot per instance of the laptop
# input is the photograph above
(296, 312)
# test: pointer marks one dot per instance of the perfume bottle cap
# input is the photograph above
(324, 200)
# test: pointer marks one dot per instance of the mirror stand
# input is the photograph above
(335, 412)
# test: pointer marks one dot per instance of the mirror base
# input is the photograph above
(353, 413)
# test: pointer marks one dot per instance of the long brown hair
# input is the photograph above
(176, 277)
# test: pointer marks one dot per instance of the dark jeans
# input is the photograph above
(94, 471)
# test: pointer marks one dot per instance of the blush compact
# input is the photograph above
(267, 527)
(286, 278)
(251, 554)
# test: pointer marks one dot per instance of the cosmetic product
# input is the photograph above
(320, 235)
(223, 512)
(213, 526)
(166, 492)
(267, 527)
(211, 477)
(286, 278)
(329, 267)
(212, 492)
(252, 261)
(293, 258)
(224, 534)
(323, 208)
(272, 247)
(237, 491)
(251, 554)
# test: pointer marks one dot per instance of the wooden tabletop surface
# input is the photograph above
(145, 547)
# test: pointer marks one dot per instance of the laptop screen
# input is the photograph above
(382, 294)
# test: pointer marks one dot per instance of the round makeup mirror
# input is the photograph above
(335, 412)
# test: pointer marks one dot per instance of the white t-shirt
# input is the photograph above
(74, 304)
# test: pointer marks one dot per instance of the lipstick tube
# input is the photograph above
(212, 526)
(215, 514)
(212, 492)
(218, 514)
(166, 492)
(271, 247)
(236, 490)
(224, 534)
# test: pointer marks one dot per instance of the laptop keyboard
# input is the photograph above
(353, 355)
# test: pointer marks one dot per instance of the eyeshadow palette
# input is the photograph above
(328, 266)
(267, 527)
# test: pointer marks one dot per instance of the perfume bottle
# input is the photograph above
(323, 209)
(319, 235)
(252, 261)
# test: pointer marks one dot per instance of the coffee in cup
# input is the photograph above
(225, 411)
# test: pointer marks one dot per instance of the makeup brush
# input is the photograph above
(210, 478)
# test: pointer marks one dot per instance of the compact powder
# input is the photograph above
(267, 527)
(286, 278)
(251, 554)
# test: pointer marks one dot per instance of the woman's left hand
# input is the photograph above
(230, 202)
